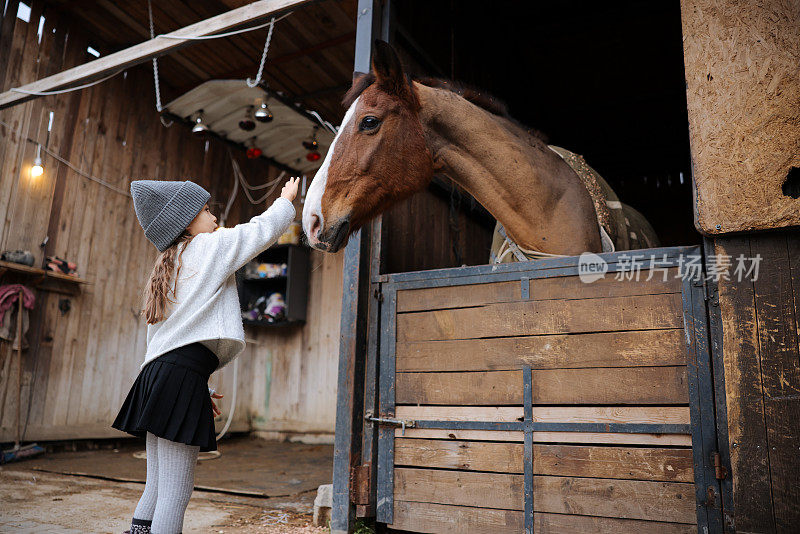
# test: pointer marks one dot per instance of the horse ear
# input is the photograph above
(387, 69)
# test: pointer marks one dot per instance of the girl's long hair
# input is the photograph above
(159, 286)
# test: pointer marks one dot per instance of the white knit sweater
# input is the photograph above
(206, 307)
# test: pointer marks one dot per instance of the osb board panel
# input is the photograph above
(743, 96)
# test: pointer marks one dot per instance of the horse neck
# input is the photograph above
(535, 195)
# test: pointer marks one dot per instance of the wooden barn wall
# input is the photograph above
(762, 380)
(82, 361)
(743, 94)
(433, 230)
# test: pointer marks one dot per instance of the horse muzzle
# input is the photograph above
(335, 237)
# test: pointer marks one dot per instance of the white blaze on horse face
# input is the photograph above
(313, 204)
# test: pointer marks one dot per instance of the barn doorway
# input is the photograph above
(606, 82)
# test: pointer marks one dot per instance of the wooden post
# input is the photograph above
(353, 333)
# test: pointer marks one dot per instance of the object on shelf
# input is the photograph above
(276, 307)
(23, 257)
(9, 295)
(255, 311)
(292, 235)
(281, 269)
(59, 265)
(270, 309)
(256, 270)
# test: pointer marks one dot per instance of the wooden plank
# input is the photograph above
(646, 312)
(595, 438)
(446, 519)
(560, 351)
(779, 354)
(436, 298)
(627, 385)
(638, 463)
(678, 415)
(744, 396)
(562, 287)
(252, 13)
(630, 499)
(438, 518)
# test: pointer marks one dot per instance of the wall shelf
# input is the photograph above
(293, 286)
(44, 279)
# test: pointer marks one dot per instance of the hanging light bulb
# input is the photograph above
(199, 127)
(312, 146)
(253, 152)
(262, 114)
(38, 167)
(247, 123)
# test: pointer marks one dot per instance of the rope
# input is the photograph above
(228, 34)
(89, 176)
(61, 91)
(233, 400)
(250, 83)
(155, 60)
(247, 188)
(67, 163)
(156, 80)
(322, 121)
(522, 254)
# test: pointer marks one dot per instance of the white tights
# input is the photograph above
(170, 479)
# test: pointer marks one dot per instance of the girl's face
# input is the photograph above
(203, 222)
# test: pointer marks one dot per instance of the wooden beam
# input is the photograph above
(94, 70)
(247, 71)
(134, 25)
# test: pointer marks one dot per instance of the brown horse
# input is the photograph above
(397, 133)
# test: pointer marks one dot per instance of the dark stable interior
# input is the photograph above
(604, 80)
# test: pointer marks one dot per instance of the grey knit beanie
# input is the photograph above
(165, 209)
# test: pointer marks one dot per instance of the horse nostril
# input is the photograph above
(315, 226)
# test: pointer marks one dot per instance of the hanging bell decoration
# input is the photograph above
(253, 151)
(262, 113)
(312, 146)
(199, 127)
(247, 123)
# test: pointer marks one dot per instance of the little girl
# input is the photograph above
(194, 327)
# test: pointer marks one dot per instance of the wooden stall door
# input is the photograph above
(520, 398)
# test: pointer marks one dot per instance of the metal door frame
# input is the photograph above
(702, 425)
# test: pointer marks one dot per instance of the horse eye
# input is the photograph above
(369, 123)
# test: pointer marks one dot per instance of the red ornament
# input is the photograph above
(313, 156)
(253, 152)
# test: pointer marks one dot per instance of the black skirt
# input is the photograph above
(170, 398)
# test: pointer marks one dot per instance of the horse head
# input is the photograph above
(378, 157)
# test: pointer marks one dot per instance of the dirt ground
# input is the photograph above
(260, 487)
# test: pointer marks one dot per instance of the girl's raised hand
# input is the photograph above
(289, 190)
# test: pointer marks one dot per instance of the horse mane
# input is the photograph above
(469, 93)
